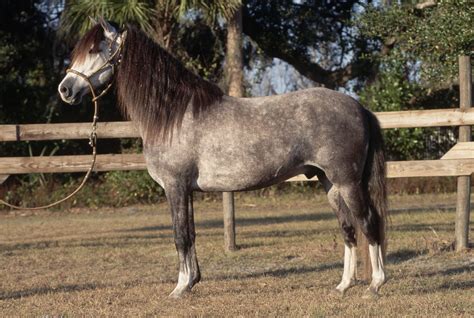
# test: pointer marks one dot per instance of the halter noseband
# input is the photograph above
(110, 62)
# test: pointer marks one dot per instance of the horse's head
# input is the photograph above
(93, 62)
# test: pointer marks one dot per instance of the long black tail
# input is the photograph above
(375, 179)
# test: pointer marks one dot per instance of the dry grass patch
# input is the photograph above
(122, 262)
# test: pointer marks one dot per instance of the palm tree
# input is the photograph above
(234, 55)
(158, 18)
(74, 20)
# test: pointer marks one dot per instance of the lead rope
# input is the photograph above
(93, 144)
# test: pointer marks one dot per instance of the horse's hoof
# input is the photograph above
(179, 292)
(371, 293)
(338, 292)
(344, 286)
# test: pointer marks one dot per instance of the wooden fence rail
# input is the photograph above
(123, 129)
(459, 161)
(111, 162)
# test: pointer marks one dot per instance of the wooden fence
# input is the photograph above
(459, 161)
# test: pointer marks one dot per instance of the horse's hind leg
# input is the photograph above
(357, 200)
(180, 202)
(348, 232)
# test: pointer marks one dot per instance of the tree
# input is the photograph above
(27, 67)
(74, 21)
(317, 38)
(417, 58)
(426, 37)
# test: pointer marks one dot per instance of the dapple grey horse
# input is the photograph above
(195, 138)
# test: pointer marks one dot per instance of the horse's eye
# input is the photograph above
(94, 50)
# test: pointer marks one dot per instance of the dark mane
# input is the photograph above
(155, 89)
(87, 43)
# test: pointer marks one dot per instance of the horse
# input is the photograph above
(196, 138)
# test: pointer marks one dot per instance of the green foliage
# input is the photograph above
(117, 188)
(128, 187)
(28, 72)
(318, 38)
(434, 37)
(74, 19)
(26, 66)
(212, 9)
(392, 92)
(204, 60)
(418, 66)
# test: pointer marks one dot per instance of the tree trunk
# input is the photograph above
(234, 55)
(236, 89)
(165, 24)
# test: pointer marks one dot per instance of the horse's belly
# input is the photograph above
(246, 179)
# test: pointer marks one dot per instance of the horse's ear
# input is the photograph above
(109, 31)
(108, 28)
(123, 36)
(93, 21)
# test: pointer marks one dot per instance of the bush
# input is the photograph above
(117, 188)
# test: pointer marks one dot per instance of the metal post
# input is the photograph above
(463, 205)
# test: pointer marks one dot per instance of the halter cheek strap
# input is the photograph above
(111, 62)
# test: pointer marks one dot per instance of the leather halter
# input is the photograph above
(108, 63)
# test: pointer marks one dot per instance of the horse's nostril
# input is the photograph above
(64, 90)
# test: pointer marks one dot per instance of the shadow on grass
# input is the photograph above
(48, 290)
(279, 272)
(304, 234)
(467, 285)
(248, 221)
(438, 207)
(422, 227)
(111, 242)
(243, 246)
(467, 268)
(403, 255)
(446, 286)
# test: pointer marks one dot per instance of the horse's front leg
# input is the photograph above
(180, 201)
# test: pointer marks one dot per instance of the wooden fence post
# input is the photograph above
(235, 72)
(463, 205)
(229, 221)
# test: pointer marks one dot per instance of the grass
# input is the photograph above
(122, 262)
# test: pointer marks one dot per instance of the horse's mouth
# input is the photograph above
(74, 100)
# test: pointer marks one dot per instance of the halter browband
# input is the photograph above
(110, 62)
